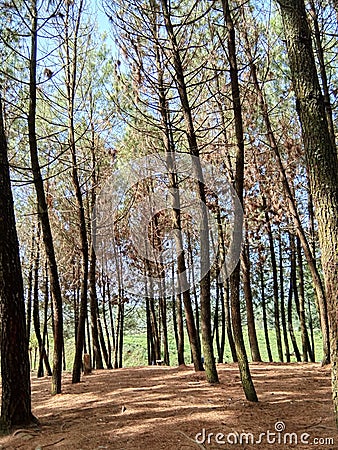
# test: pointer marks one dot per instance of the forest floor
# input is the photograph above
(155, 408)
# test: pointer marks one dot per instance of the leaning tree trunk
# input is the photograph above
(321, 159)
(15, 370)
(43, 211)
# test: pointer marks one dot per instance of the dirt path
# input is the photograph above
(153, 408)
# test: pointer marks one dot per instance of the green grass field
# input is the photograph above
(135, 348)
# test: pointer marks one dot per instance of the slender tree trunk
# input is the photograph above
(246, 271)
(176, 212)
(275, 283)
(302, 317)
(180, 330)
(30, 289)
(104, 315)
(43, 212)
(215, 332)
(228, 320)
(36, 311)
(210, 365)
(45, 324)
(71, 44)
(150, 342)
(223, 323)
(282, 302)
(265, 320)
(310, 255)
(97, 355)
(154, 326)
(105, 353)
(243, 364)
(293, 291)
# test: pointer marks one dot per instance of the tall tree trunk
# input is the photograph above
(71, 45)
(322, 69)
(43, 211)
(246, 271)
(228, 321)
(302, 317)
(30, 289)
(36, 311)
(150, 341)
(15, 371)
(105, 322)
(275, 283)
(176, 214)
(282, 301)
(180, 329)
(97, 355)
(105, 353)
(265, 320)
(310, 255)
(45, 324)
(321, 158)
(293, 291)
(221, 345)
(243, 364)
(209, 359)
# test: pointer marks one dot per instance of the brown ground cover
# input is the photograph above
(155, 408)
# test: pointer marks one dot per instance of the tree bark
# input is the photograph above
(209, 358)
(275, 283)
(15, 370)
(43, 211)
(243, 363)
(265, 320)
(309, 255)
(321, 158)
(246, 273)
